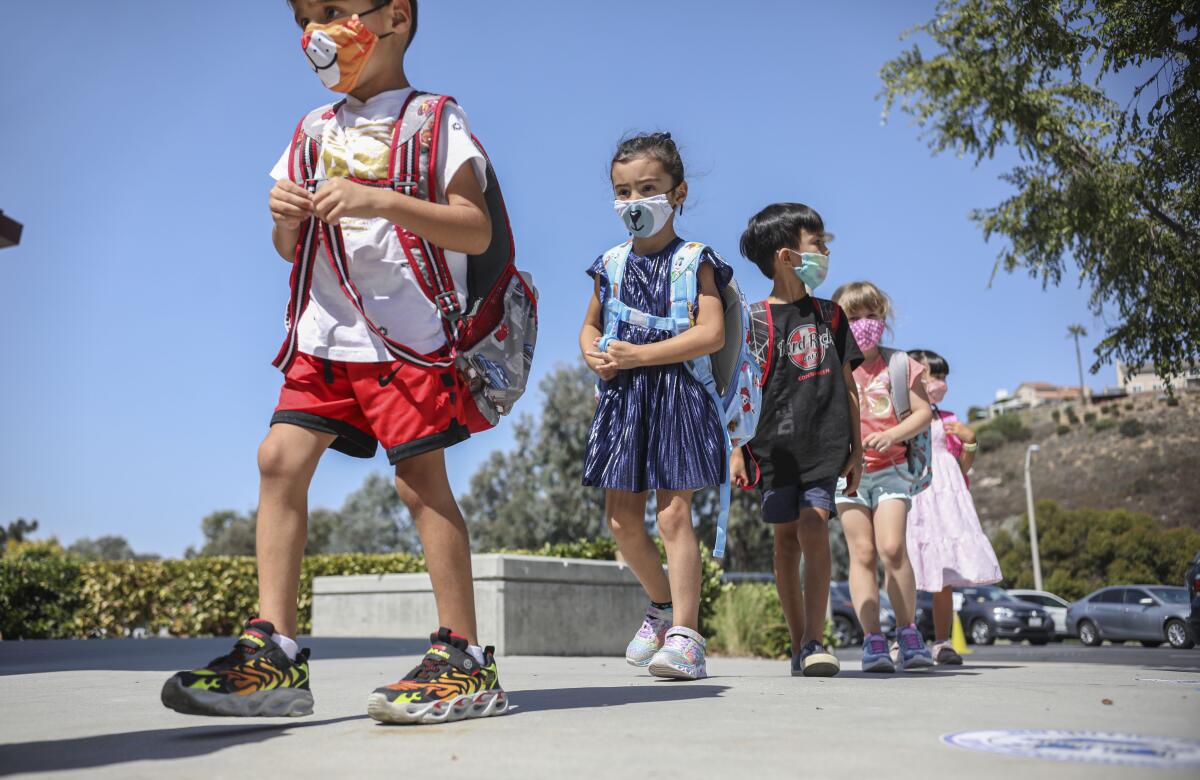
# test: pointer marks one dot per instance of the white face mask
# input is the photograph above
(645, 217)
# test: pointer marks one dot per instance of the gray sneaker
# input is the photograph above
(944, 654)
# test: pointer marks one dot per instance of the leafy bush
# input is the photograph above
(749, 621)
(989, 439)
(46, 593)
(1063, 430)
(1107, 409)
(1089, 417)
(1132, 428)
(1129, 407)
(1072, 418)
(1172, 401)
(1103, 425)
(1084, 549)
(39, 588)
(1056, 415)
(1006, 427)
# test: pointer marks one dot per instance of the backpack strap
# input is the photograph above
(304, 158)
(616, 311)
(762, 335)
(897, 361)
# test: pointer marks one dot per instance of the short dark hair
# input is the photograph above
(657, 146)
(775, 227)
(412, 28)
(937, 364)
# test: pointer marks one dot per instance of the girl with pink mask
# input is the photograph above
(874, 517)
(946, 545)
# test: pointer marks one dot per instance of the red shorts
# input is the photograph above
(410, 409)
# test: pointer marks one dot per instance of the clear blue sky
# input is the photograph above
(143, 307)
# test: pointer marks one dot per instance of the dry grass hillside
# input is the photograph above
(1140, 454)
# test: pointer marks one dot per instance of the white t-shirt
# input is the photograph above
(357, 142)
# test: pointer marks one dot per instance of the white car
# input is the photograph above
(1055, 606)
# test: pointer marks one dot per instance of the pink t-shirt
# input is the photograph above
(875, 407)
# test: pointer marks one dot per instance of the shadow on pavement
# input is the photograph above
(548, 699)
(922, 674)
(61, 755)
(170, 655)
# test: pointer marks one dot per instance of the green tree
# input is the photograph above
(372, 520)
(533, 494)
(106, 548)
(1108, 183)
(226, 532)
(16, 531)
(1084, 549)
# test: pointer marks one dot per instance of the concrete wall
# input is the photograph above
(526, 605)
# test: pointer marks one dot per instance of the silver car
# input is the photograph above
(1056, 607)
(1151, 614)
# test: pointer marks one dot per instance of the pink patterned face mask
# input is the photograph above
(936, 390)
(867, 332)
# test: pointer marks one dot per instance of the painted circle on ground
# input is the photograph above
(1093, 747)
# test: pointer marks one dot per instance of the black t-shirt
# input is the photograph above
(803, 432)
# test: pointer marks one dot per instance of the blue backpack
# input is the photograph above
(917, 449)
(732, 376)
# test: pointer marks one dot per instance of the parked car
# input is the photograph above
(989, 613)
(1150, 614)
(1192, 579)
(846, 628)
(1055, 606)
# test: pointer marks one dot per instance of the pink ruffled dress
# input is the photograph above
(946, 545)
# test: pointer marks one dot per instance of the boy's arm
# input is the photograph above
(705, 338)
(852, 471)
(290, 205)
(461, 224)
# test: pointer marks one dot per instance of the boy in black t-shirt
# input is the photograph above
(808, 434)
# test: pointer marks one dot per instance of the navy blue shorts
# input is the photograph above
(783, 505)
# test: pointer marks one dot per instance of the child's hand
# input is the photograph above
(961, 431)
(338, 199)
(600, 365)
(622, 354)
(852, 471)
(290, 204)
(880, 442)
(737, 469)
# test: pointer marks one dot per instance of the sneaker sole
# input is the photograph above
(277, 703)
(639, 664)
(821, 666)
(919, 662)
(882, 665)
(483, 704)
(669, 672)
(951, 662)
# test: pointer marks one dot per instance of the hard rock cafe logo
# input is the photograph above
(806, 347)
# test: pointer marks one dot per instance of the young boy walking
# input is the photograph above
(368, 360)
(808, 433)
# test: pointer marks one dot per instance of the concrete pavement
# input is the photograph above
(91, 709)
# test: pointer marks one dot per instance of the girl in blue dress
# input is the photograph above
(656, 427)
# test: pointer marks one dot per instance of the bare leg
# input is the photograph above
(818, 567)
(943, 614)
(860, 542)
(787, 580)
(627, 518)
(891, 519)
(424, 487)
(683, 555)
(287, 459)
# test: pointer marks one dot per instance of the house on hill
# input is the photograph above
(1038, 393)
(1144, 380)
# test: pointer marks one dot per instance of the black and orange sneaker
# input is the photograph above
(447, 685)
(256, 679)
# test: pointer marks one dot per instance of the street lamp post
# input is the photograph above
(1033, 537)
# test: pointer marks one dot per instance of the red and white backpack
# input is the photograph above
(492, 337)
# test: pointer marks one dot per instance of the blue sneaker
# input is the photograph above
(814, 660)
(913, 652)
(876, 657)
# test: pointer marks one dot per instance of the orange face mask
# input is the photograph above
(339, 51)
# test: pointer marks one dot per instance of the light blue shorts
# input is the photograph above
(875, 487)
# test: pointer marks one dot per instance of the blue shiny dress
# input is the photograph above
(655, 428)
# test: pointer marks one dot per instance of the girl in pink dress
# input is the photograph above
(946, 545)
